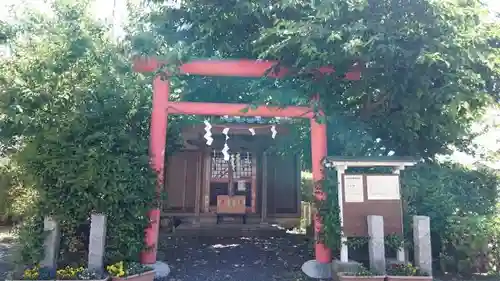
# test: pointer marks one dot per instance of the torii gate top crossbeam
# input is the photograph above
(234, 68)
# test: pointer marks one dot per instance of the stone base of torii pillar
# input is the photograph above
(314, 269)
(161, 269)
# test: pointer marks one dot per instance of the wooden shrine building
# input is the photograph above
(197, 176)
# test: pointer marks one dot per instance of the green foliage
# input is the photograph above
(82, 119)
(445, 190)
(429, 67)
(330, 212)
(31, 235)
(472, 244)
(356, 242)
(124, 269)
(362, 271)
(461, 204)
(394, 242)
(6, 32)
(16, 198)
(404, 270)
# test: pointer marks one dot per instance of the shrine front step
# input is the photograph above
(231, 219)
(211, 220)
(206, 220)
(233, 229)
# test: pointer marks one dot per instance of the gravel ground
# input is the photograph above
(225, 259)
(241, 259)
(5, 266)
(245, 259)
(6, 244)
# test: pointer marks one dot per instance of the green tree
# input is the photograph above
(81, 117)
(428, 68)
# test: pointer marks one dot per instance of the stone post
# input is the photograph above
(400, 255)
(50, 245)
(376, 245)
(422, 241)
(97, 242)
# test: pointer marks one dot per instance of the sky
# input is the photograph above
(103, 10)
(494, 5)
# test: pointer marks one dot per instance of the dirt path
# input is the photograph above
(223, 258)
(244, 259)
(6, 244)
(239, 259)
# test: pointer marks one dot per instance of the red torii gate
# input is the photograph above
(236, 68)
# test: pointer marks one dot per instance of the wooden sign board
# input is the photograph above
(371, 194)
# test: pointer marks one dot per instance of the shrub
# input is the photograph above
(16, 197)
(83, 117)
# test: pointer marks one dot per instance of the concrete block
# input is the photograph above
(376, 244)
(50, 245)
(97, 242)
(422, 242)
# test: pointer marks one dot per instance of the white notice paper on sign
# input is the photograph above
(383, 187)
(353, 188)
